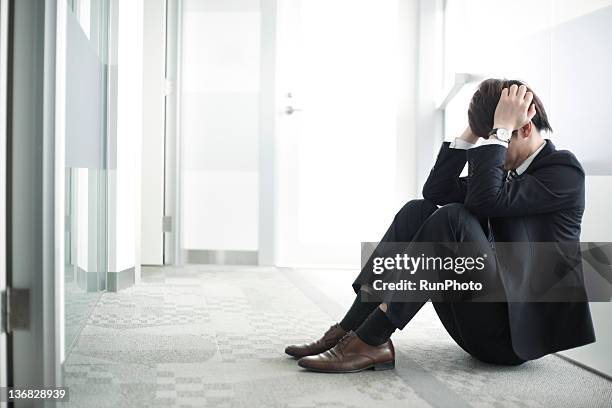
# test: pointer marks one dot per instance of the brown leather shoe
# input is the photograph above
(351, 355)
(331, 337)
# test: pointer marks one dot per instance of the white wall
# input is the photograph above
(406, 139)
(597, 227)
(153, 133)
(124, 181)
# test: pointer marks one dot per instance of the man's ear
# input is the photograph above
(527, 129)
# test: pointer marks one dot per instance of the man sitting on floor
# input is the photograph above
(519, 189)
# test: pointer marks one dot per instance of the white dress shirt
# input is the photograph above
(463, 145)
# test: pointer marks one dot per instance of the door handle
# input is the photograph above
(290, 110)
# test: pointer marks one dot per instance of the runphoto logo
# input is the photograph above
(413, 264)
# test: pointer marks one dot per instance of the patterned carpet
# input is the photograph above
(204, 336)
(79, 305)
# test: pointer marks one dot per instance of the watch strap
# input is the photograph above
(494, 133)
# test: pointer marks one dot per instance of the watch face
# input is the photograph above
(503, 134)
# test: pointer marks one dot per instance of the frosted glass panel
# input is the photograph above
(216, 139)
(220, 124)
(85, 113)
(221, 52)
(220, 209)
(84, 100)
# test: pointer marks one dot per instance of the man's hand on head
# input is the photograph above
(514, 109)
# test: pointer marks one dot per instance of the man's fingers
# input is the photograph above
(515, 105)
(513, 90)
(531, 112)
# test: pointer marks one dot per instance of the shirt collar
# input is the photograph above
(524, 165)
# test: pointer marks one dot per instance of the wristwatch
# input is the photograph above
(501, 134)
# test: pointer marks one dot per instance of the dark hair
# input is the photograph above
(484, 102)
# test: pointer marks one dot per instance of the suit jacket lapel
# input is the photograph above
(548, 149)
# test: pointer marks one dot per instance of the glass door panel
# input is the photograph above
(85, 177)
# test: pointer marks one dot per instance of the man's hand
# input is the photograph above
(514, 109)
(469, 136)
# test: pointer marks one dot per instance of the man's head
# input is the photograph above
(524, 140)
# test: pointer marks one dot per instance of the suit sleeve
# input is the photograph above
(444, 186)
(550, 188)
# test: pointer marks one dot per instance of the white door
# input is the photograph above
(337, 93)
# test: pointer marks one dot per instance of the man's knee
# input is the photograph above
(452, 214)
(420, 209)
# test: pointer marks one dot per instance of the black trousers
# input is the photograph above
(481, 328)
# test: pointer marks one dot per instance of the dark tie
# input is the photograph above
(511, 175)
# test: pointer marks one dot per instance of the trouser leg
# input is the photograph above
(450, 223)
(480, 328)
(357, 313)
(403, 228)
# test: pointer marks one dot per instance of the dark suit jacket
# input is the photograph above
(544, 204)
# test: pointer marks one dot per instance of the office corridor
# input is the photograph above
(214, 336)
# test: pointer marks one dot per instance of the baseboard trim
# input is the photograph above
(213, 257)
(116, 281)
(86, 280)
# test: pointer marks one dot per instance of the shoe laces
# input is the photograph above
(344, 341)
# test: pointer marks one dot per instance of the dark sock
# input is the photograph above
(376, 329)
(358, 312)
